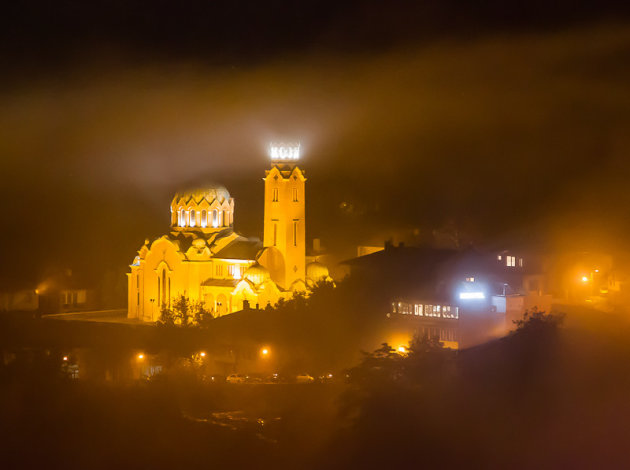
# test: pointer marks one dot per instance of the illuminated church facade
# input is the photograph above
(204, 259)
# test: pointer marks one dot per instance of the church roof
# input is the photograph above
(241, 248)
(209, 193)
(220, 282)
(185, 239)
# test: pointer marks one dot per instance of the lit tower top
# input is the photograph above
(282, 153)
(285, 223)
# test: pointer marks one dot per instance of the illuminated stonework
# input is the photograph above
(204, 259)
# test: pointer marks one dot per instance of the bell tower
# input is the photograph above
(285, 221)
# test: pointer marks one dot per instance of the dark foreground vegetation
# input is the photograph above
(546, 396)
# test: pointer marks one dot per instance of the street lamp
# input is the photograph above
(264, 352)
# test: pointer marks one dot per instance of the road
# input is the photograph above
(99, 316)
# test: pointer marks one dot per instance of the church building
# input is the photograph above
(204, 259)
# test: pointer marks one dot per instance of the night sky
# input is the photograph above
(509, 122)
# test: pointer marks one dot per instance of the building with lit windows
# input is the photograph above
(204, 259)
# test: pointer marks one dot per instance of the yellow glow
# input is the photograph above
(140, 356)
(65, 358)
(402, 349)
(264, 351)
(202, 354)
(584, 278)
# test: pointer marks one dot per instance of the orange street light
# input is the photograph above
(65, 358)
(584, 278)
(202, 354)
(140, 356)
(402, 349)
(264, 352)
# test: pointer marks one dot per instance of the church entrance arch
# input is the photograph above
(208, 300)
(222, 305)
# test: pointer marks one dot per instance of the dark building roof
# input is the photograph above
(423, 272)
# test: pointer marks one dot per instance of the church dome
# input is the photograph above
(316, 272)
(207, 209)
(256, 273)
(209, 193)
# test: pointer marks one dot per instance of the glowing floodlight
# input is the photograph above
(140, 356)
(282, 151)
(584, 278)
(472, 296)
(264, 352)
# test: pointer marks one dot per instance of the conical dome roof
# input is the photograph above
(257, 274)
(209, 193)
(316, 271)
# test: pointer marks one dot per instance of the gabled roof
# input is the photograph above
(241, 248)
(219, 282)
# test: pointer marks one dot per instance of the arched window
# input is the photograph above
(163, 300)
(181, 219)
(204, 219)
(215, 218)
(191, 217)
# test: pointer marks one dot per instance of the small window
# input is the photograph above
(219, 270)
(204, 218)
(295, 195)
(295, 233)
(275, 234)
(275, 195)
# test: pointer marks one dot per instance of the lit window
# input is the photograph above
(510, 261)
(204, 218)
(520, 262)
(215, 219)
(499, 257)
(234, 271)
(470, 279)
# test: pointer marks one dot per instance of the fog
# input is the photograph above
(416, 135)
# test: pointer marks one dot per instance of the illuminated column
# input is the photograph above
(285, 221)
